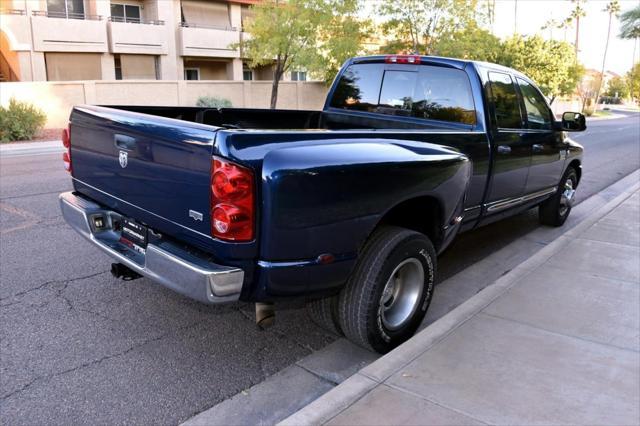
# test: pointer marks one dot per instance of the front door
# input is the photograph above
(547, 146)
(511, 153)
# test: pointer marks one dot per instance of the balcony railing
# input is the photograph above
(134, 21)
(211, 27)
(12, 12)
(67, 15)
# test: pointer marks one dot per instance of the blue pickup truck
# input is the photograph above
(346, 207)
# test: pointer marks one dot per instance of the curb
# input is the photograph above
(31, 148)
(605, 117)
(344, 395)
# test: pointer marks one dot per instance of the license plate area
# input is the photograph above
(134, 235)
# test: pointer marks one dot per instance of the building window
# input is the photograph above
(247, 73)
(136, 67)
(156, 60)
(298, 76)
(206, 14)
(246, 15)
(192, 73)
(125, 13)
(73, 66)
(73, 9)
(118, 65)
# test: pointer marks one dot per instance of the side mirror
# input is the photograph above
(573, 122)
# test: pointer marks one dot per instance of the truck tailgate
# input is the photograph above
(155, 169)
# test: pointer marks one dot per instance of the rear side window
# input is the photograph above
(538, 114)
(505, 101)
(435, 93)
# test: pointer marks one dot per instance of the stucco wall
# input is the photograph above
(57, 98)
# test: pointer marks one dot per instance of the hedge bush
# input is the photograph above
(213, 102)
(20, 121)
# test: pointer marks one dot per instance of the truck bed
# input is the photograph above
(280, 119)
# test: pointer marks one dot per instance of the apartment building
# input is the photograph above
(62, 40)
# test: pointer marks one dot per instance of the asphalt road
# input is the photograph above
(78, 346)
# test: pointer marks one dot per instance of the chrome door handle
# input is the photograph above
(537, 147)
(504, 149)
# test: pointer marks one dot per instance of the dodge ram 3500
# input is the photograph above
(346, 207)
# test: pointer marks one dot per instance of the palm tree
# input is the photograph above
(577, 13)
(630, 28)
(550, 25)
(565, 25)
(613, 8)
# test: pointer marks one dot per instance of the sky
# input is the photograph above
(533, 14)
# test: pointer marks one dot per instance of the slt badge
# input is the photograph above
(123, 158)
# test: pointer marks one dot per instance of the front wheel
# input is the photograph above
(388, 294)
(555, 210)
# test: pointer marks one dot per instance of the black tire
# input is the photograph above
(366, 311)
(555, 210)
(324, 313)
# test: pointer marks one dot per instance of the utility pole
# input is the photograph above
(515, 17)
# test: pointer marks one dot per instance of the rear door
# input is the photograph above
(546, 144)
(510, 151)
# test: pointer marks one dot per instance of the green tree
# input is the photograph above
(550, 63)
(613, 8)
(617, 87)
(633, 82)
(471, 42)
(314, 35)
(417, 25)
(630, 28)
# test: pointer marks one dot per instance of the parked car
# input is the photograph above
(346, 207)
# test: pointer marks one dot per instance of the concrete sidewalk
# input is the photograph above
(554, 341)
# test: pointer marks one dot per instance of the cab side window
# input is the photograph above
(538, 114)
(505, 101)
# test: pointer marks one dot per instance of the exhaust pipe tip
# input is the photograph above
(119, 270)
(265, 315)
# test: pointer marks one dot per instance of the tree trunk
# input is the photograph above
(277, 75)
(604, 60)
(577, 35)
(274, 91)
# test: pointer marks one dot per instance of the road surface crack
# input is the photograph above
(48, 283)
(48, 377)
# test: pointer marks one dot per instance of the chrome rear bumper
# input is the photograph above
(163, 261)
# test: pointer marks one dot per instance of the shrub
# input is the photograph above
(588, 111)
(213, 102)
(20, 121)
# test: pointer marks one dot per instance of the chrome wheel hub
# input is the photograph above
(401, 294)
(567, 196)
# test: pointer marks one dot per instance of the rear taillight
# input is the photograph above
(402, 59)
(232, 204)
(66, 141)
